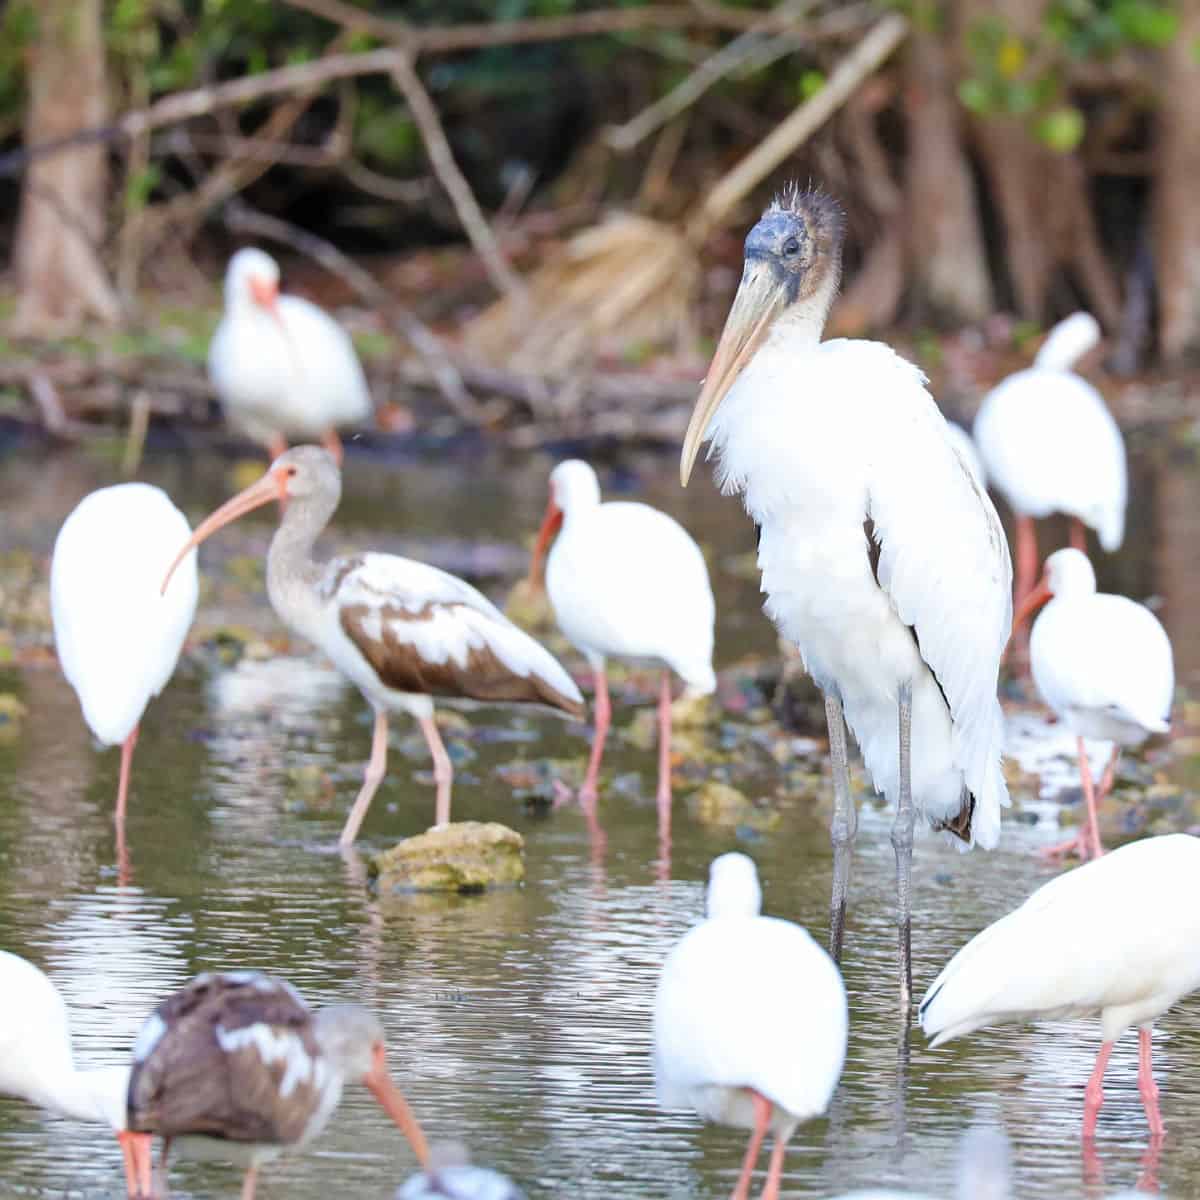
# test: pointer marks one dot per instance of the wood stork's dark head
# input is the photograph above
(792, 263)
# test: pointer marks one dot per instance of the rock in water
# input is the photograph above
(464, 856)
(718, 804)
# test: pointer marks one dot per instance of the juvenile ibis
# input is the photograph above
(117, 632)
(1118, 937)
(626, 581)
(749, 1020)
(282, 367)
(404, 633)
(882, 559)
(1104, 665)
(1049, 444)
(241, 1058)
(37, 1064)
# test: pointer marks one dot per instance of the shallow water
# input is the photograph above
(519, 1021)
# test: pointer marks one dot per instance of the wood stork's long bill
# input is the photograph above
(792, 265)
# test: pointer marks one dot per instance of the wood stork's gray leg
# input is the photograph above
(902, 843)
(844, 827)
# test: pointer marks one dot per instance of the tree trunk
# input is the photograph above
(948, 266)
(1176, 185)
(60, 277)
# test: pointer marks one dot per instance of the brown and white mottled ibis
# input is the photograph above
(239, 1057)
(403, 632)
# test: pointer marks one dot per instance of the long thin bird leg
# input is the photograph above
(1089, 794)
(1078, 535)
(249, 1182)
(1027, 570)
(127, 747)
(762, 1118)
(376, 767)
(902, 843)
(333, 443)
(443, 769)
(1146, 1084)
(1093, 1095)
(125, 1140)
(664, 761)
(1110, 773)
(603, 711)
(775, 1171)
(844, 826)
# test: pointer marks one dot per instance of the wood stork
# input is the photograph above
(881, 557)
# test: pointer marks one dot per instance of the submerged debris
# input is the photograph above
(465, 856)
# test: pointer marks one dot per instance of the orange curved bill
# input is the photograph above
(551, 524)
(394, 1104)
(270, 487)
(1030, 605)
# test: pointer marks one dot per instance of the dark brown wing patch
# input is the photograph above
(400, 665)
(960, 825)
(203, 1069)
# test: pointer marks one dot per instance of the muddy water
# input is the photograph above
(519, 1021)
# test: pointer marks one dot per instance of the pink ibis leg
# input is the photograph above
(333, 443)
(1089, 794)
(1110, 773)
(376, 767)
(1093, 1095)
(775, 1171)
(1146, 1084)
(276, 446)
(249, 1182)
(127, 747)
(443, 769)
(664, 757)
(1078, 535)
(1027, 571)
(762, 1117)
(603, 710)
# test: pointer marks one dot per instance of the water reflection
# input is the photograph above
(520, 1021)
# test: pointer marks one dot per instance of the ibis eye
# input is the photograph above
(791, 248)
(291, 471)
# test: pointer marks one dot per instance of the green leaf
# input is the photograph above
(1062, 129)
(811, 82)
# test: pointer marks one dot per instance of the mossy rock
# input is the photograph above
(726, 807)
(465, 856)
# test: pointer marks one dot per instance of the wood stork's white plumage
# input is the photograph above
(1118, 937)
(118, 635)
(626, 581)
(881, 557)
(1049, 444)
(402, 632)
(37, 1063)
(282, 367)
(749, 1020)
(1103, 663)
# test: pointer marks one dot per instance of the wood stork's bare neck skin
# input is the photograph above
(793, 262)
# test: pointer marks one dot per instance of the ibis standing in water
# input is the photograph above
(403, 632)
(1104, 665)
(37, 1064)
(241, 1060)
(749, 1020)
(117, 632)
(881, 557)
(1118, 937)
(626, 581)
(282, 367)
(1049, 444)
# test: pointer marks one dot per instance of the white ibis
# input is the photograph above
(241, 1057)
(1104, 665)
(626, 581)
(749, 1020)
(36, 1062)
(403, 632)
(1117, 937)
(281, 366)
(881, 557)
(1049, 444)
(118, 633)
(452, 1176)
